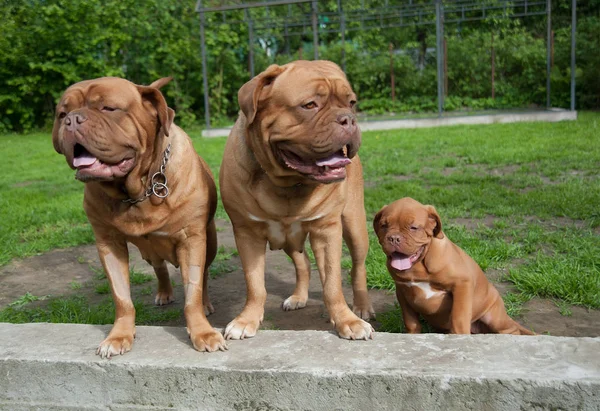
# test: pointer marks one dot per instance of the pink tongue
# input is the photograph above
(84, 160)
(400, 263)
(335, 160)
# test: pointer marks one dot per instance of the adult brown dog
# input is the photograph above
(144, 184)
(291, 170)
(434, 277)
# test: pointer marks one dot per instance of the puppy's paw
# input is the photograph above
(164, 297)
(208, 308)
(241, 328)
(115, 345)
(208, 340)
(293, 302)
(355, 329)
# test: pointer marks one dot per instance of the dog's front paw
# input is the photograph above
(208, 340)
(354, 329)
(293, 302)
(241, 328)
(164, 297)
(115, 345)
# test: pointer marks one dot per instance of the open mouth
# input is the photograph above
(90, 167)
(403, 262)
(328, 169)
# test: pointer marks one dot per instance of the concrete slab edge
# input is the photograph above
(53, 367)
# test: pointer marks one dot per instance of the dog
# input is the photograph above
(144, 184)
(434, 277)
(290, 171)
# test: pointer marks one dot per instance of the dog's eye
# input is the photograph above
(107, 108)
(310, 105)
(414, 228)
(384, 225)
(62, 115)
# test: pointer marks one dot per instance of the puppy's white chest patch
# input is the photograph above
(426, 288)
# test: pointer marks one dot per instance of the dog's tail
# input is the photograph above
(523, 330)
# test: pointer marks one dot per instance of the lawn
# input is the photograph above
(519, 198)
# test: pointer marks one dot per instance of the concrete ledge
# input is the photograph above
(553, 115)
(53, 367)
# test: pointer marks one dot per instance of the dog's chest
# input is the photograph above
(425, 298)
(423, 289)
(156, 246)
(282, 234)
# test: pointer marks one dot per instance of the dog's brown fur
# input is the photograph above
(443, 283)
(294, 116)
(127, 128)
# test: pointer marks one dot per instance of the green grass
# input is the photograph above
(534, 188)
(221, 264)
(77, 309)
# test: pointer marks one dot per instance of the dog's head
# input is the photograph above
(405, 230)
(300, 120)
(106, 126)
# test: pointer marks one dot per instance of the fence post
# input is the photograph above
(439, 51)
(573, 31)
(493, 53)
(204, 69)
(392, 78)
(250, 42)
(343, 33)
(315, 28)
(548, 49)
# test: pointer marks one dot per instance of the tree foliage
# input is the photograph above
(46, 45)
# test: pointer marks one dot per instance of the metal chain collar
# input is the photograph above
(158, 182)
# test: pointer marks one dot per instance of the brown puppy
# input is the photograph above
(434, 277)
(289, 171)
(146, 185)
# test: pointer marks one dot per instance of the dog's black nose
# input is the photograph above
(347, 121)
(74, 119)
(393, 239)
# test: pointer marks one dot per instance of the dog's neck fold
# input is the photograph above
(135, 184)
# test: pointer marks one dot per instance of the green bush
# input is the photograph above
(46, 45)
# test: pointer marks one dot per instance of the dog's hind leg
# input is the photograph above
(164, 295)
(499, 322)
(211, 253)
(302, 265)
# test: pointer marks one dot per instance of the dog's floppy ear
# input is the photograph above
(377, 219)
(151, 95)
(434, 223)
(249, 93)
(161, 82)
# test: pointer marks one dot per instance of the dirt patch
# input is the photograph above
(543, 317)
(474, 223)
(54, 273)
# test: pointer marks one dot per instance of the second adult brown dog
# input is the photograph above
(434, 277)
(289, 171)
(144, 184)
